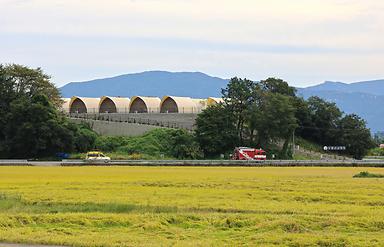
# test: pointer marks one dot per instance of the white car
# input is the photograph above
(97, 156)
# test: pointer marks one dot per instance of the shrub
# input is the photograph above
(368, 175)
(168, 142)
(85, 138)
(110, 143)
(376, 152)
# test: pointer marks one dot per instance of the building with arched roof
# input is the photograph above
(172, 104)
(114, 105)
(141, 104)
(214, 101)
(84, 105)
(201, 104)
(65, 106)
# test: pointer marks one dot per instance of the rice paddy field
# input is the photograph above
(191, 206)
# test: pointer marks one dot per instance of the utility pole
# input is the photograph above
(293, 142)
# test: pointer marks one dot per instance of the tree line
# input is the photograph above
(269, 114)
(31, 126)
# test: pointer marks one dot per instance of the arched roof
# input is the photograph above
(92, 104)
(65, 106)
(214, 101)
(152, 103)
(121, 104)
(185, 104)
(201, 103)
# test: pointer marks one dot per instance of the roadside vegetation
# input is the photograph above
(156, 144)
(376, 152)
(174, 206)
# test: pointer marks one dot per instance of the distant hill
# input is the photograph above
(368, 106)
(366, 99)
(152, 83)
(370, 87)
(363, 98)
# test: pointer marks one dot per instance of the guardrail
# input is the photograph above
(374, 157)
(202, 163)
(14, 161)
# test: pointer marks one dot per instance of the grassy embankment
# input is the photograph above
(156, 144)
(376, 152)
(163, 206)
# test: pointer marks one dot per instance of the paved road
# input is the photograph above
(228, 163)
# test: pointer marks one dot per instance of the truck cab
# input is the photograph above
(246, 153)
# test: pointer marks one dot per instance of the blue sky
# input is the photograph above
(302, 41)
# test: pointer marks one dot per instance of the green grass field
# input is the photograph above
(170, 206)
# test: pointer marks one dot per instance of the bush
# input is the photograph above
(158, 143)
(368, 175)
(163, 142)
(111, 143)
(376, 152)
(85, 138)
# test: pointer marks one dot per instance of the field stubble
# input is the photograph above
(162, 206)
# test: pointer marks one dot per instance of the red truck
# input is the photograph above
(245, 153)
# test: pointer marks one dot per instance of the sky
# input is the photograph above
(304, 42)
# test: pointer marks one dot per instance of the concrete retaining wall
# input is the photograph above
(168, 120)
(116, 128)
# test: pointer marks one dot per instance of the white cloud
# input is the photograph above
(328, 38)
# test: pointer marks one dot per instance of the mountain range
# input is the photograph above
(366, 99)
(363, 98)
(150, 83)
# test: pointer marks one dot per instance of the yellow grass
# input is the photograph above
(163, 206)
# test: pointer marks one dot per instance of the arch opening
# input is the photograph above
(138, 106)
(78, 106)
(108, 106)
(169, 106)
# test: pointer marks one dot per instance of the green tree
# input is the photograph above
(20, 81)
(253, 114)
(275, 85)
(216, 130)
(34, 129)
(182, 145)
(238, 97)
(325, 118)
(85, 138)
(30, 124)
(275, 121)
(304, 118)
(355, 136)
